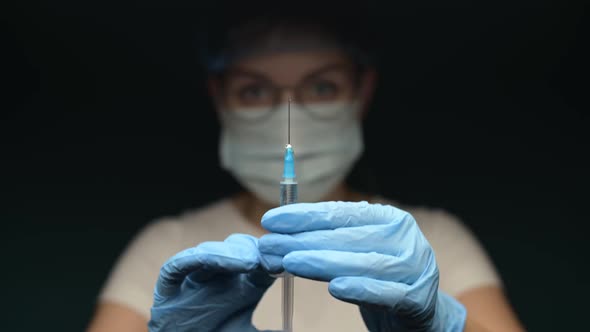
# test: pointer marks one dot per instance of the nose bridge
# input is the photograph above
(287, 93)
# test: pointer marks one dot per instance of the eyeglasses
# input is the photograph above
(243, 91)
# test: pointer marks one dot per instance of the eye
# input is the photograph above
(254, 92)
(324, 89)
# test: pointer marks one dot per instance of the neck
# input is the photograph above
(252, 208)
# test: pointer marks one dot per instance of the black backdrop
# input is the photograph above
(106, 125)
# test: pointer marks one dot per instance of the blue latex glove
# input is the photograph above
(212, 287)
(372, 255)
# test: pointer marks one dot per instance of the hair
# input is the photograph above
(225, 35)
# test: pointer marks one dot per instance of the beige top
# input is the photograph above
(462, 262)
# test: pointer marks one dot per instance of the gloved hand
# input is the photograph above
(212, 287)
(372, 255)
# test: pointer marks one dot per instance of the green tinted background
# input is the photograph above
(479, 111)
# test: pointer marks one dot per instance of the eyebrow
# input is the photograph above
(260, 76)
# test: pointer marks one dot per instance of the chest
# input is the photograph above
(314, 309)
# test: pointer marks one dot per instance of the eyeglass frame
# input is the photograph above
(355, 69)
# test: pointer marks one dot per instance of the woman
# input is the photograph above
(388, 267)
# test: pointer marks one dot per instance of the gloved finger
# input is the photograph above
(239, 321)
(207, 258)
(367, 291)
(260, 279)
(389, 239)
(305, 217)
(203, 275)
(326, 265)
(271, 263)
(244, 239)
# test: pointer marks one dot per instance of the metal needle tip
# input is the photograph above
(289, 122)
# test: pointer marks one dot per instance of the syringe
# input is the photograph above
(288, 196)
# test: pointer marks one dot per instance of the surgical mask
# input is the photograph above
(252, 148)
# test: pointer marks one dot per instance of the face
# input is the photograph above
(308, 77)
(320, 83)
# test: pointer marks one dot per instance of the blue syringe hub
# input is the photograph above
(289, 163)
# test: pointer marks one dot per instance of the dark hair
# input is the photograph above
(225, 34)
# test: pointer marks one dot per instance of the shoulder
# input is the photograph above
(431, 220)
(462, 260)
(132, 279)
(440, 227)
(192, 226)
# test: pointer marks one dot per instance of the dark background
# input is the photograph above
(105, 125)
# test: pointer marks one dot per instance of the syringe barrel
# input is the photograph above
(288, 196)
(288, 192)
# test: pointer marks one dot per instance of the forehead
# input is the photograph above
(289, 67)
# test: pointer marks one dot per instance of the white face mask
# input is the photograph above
(325, 150)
